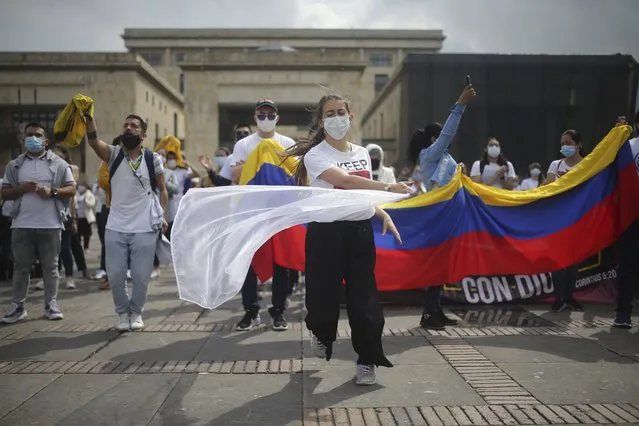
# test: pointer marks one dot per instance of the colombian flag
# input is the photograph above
(466, 229)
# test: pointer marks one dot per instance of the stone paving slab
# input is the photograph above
(153, 347)
(402, 385)
(14, 390)
(96, 400)
(55, 346)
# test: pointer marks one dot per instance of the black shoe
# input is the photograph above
(249, 320)
(622, 320)
(447, 320)
(573, 305)
(432, 322)
(557, 306)
(279, 323)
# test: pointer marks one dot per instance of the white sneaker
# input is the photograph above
(365, 375)
(155, 273)
(98, 275)
(39, 285)
(136, 322)
(124, 323)
(70, 284)
(318, 347)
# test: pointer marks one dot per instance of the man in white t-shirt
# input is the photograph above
(240, 131)
(266, 117)
(136, 217)
(629, 249)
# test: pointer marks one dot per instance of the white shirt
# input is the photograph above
(559, 168)
(528, 183)
(178, 177)
(36, 212)
(355, 162)
(225, 171)
(131, 203)
(244, 147)
(634, 146)
(490, 170)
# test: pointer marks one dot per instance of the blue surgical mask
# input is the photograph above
(568, 151)
(219, 161)
(33, 144)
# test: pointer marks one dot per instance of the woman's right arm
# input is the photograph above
(340, 179)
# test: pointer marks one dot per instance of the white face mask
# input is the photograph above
(337, 127)
(493, 151)
(219, 161)
(535, 173)
(171, 164)
(267, 125)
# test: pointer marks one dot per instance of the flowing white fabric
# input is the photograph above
(218, 230)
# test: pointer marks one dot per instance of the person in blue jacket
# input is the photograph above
(430, 146)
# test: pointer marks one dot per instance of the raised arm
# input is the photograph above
(102, 149)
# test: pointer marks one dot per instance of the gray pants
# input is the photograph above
(26, 244)
(140, 248)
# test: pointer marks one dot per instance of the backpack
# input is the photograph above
(148, 159)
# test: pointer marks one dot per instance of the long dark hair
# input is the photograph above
(501, 158)
(315, 137)
(576, 137)
(422, 139)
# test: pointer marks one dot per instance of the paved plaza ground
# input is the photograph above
(507, 365)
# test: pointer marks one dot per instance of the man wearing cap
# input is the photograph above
(266, 117)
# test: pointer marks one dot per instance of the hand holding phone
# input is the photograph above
(468, 80)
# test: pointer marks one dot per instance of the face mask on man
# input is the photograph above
(33, 144)
(171, 164)
(337, 127)
(375, 163)
(535, 172)
(130, 141)
(568, 151)
(265, 124)
(494, 151)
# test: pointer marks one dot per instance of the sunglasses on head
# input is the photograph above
(271, 117)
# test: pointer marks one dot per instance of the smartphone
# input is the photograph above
(468, 80)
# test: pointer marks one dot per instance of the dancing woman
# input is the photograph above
(342, 251)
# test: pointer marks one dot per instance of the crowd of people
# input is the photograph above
(51, 211)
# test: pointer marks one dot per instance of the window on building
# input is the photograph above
(153, 58)
(175, 124)
(380, 82)
(160, 105)
(147, 97)
(182, 83)
(157, 133)
(165, 108)
(180, 57)
(153, 100)
(381, 59)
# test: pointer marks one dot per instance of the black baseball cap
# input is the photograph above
(267, 103)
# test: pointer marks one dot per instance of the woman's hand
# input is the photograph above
(387, 224)
(467, 95)
(206, 162)
(401, 187)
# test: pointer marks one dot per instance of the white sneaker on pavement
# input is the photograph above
(124, 323)
(69, 283)
(318, 348)
(365, 375)
(136, 322)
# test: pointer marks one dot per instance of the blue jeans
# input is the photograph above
(139, 250)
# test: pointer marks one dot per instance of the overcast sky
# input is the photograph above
(492, 26)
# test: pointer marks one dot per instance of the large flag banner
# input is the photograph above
(467, 229)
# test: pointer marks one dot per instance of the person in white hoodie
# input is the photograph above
(380, 172)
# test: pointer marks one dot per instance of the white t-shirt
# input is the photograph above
(244, 147)
(132, 201)
(225, 171)
(528, 183)
(490, 170)
(634, 146)
(178, 177)
(559, 168)
(355, 162)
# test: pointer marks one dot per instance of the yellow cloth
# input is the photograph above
(103, 181)
(172, 144)
(71, 126)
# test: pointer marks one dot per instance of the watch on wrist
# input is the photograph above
(54, 192)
